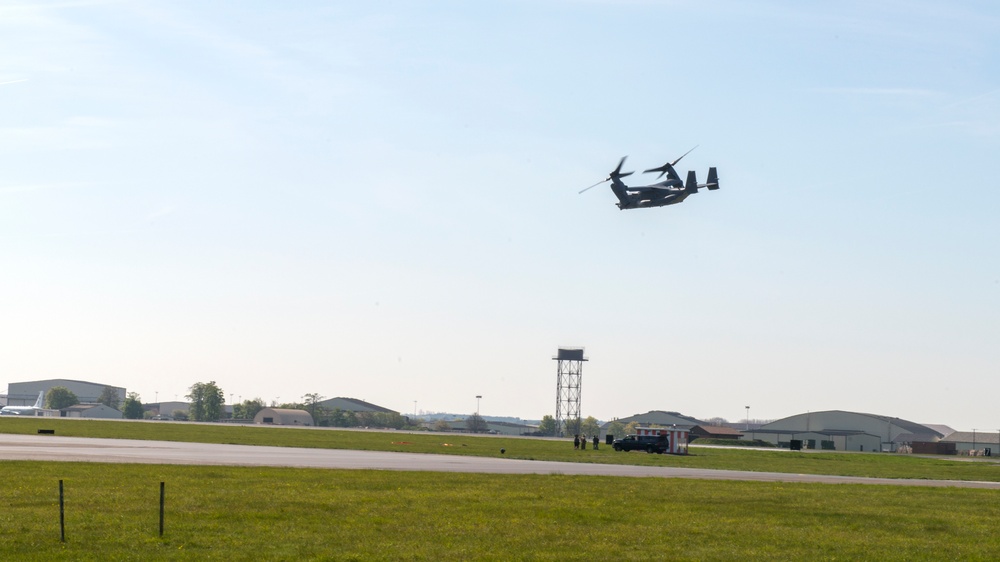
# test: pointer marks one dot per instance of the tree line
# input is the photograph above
(207, 403)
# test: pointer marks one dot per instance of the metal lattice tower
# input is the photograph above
(569, 383)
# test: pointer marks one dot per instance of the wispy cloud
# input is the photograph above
(13, 81)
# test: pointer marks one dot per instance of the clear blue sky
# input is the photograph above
(379, 200)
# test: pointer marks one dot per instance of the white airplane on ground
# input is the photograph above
(24, 410)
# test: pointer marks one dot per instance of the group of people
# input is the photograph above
(580, 441)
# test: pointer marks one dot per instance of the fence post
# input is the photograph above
(62, 514)
(161, 509)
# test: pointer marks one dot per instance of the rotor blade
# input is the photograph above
(595, 185)
(618, 171)
(661, 169)
(674, 163)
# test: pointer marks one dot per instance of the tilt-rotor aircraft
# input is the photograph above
(667, 192)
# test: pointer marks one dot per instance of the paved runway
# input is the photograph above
(78, 449)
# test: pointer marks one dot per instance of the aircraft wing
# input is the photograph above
(652, 189)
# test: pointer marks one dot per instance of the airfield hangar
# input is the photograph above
(283, 416)
(352, 405)
(842, 431)
(25, 393)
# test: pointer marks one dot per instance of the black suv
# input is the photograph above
(648, 443)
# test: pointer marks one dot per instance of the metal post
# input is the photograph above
(161, 509)
(62, 514)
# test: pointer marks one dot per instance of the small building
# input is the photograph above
(677, 437)
(92, 411)
(714, 432)
(932, 448)
(165, 410)
(654, 418)
(975, 443)
(283, 416)
(492, 427)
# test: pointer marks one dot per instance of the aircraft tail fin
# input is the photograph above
(713, 179)
(691, 185)
(38, 403)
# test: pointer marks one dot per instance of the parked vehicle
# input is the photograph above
(649, 443)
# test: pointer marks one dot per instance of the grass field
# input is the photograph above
(304, 514)
(879, 465)
(300, 514)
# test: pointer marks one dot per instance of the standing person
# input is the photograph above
(583, 442)
(576, 441)
(596, 441)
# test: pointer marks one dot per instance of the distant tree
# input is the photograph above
(60, 397)
(717, 421)
(337, 418)
(248, 409)
(206, 401)
(630, 429)
(476, 424)
(311, 402)
(109, 397)
(133, 407)
(590, 427)
(547, 425)
(617, 429)
(179, 415)
(366, 419)
(351, 419)
(572, 427)
(393, 420)
(381, 419)
(442, 425)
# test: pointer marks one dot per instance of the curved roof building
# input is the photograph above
(841, 431)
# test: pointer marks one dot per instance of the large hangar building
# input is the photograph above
(25, 393)
(842, 431)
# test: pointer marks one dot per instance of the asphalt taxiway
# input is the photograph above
(79, 449)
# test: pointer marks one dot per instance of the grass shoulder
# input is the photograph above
(245, 513)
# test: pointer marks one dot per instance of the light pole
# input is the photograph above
(478, 398)
(973, 441)
(748, 418)
(414, 408)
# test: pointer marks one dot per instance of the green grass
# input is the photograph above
(239, 513)
(880, 465)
